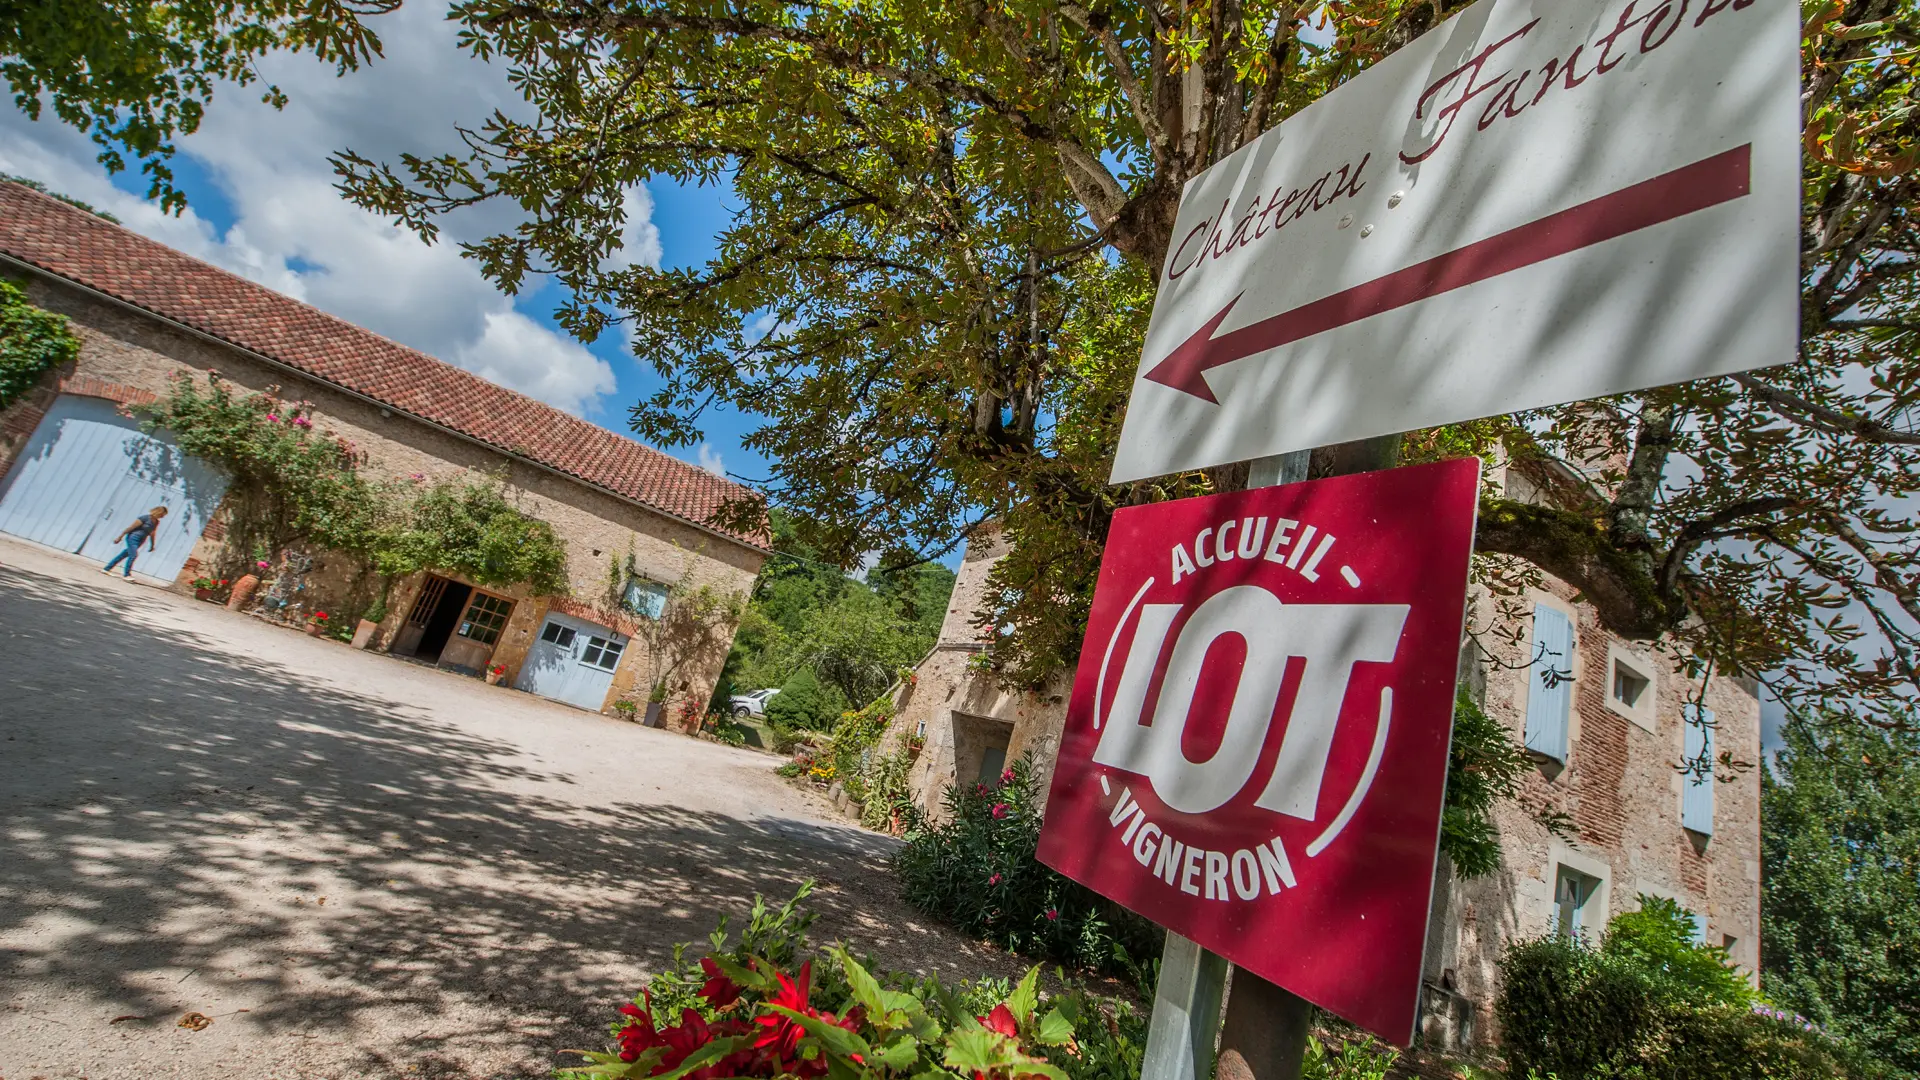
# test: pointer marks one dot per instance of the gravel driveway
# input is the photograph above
(354, 865)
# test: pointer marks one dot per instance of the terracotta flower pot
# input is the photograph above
(315, 629)
(494, 677)
(203, 594)
(243, 591)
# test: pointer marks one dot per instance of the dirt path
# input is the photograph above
(355, 866)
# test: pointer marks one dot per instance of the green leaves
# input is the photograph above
(1840, 901)
(32, 342)
(134, 74)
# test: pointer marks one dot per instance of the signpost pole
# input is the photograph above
(1265, 1033)
(1186, 1012)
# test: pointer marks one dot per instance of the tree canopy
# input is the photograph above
(937, 277)
(136, 74)
(1840, 914)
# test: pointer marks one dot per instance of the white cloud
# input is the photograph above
(292, 232)
(709, 459)
(640, 239)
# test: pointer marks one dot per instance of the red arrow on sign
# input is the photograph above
(1720, 178)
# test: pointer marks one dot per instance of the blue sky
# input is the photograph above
(263, 206)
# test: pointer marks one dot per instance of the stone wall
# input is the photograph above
(957, 704)
(129, 350)
(1621, 786)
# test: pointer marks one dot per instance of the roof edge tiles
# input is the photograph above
(81, 248)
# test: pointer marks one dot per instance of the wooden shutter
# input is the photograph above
(1550, 683)
(1696, 796)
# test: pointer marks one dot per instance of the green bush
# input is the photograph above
(32, 342)
(977, 872)
(1649, 1004)
(805, 705)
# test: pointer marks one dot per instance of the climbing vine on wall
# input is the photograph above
(32, 342)
(292, 483)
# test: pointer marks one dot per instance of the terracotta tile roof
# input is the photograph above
(80, 247)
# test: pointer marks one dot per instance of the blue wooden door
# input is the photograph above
(87, 472)
(572, 661)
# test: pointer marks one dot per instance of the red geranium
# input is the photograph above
(719, 990)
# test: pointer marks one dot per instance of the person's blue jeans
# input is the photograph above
(132, 549)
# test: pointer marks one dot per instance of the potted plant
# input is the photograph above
(625, 708)
(656, 700)
(916, 742)
(496, 672)
(212, 590)
(317, 624)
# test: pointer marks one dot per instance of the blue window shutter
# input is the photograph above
(1550, 689)
(1696, 794)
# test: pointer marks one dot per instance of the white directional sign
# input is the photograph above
(1538, 201)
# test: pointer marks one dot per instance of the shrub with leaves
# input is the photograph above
(287, 482)
(1647, 1003)
(769, 1007)
(32, 342)
(977, 872)
(804, 704)
(472, 529)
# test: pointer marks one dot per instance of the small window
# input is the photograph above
(486, 617)
(645, 598)
(1574, 910)
(602, 653)
(1629, 686)
(555, 634)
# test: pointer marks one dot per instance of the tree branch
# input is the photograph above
(1794, 407)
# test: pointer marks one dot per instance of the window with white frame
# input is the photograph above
(1576, 906)
(1550, 682)
(1696, 783)
(1631, 688)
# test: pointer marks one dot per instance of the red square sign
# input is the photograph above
(1256, 749)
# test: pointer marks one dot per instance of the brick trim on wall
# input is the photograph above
(581, 610)
(93, 386)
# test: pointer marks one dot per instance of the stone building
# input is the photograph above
(638, 526)
(1607, 737)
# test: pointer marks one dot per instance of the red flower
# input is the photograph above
(780, 1035)
(1007, 776)
(994, 880)
(719, 991)
(1053, 914)
(999, 810)
(979, 789)
(1001, 1020)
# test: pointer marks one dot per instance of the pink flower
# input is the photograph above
(262, 564)
(273, 417)
(994, 880)
(1007, 777)
(999, 810)
(979, 789)
(1053, 914)
(302, 422)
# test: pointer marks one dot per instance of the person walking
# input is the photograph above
(141, 530)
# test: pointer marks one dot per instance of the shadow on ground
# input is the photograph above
(167, 806)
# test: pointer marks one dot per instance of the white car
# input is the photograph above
(754, 704)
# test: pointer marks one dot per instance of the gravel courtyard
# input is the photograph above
(356, 866)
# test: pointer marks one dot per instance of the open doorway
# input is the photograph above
(431, 622)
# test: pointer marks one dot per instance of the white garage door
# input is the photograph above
(87, 472)
(572, 661)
